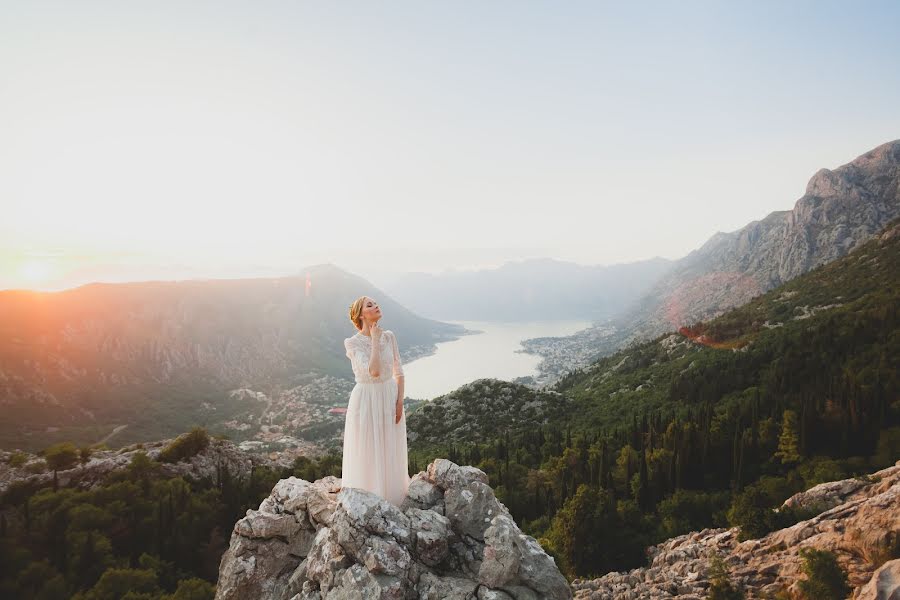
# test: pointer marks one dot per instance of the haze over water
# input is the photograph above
(489, 354)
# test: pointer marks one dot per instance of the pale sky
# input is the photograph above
(164, 140)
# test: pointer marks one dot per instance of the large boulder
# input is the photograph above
(885, 583)
(449, 539)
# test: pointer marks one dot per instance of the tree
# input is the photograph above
(193, 589)
(826, 580)
(720, 587)
(61, 456)
(117, 582)
(84, 455)
(788, 442)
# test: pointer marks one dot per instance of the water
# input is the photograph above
(489, 354)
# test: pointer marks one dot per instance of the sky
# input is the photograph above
(169, 140)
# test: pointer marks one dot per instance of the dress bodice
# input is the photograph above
(359, 350)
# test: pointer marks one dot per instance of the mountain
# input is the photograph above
(848, 303)
(528, 290)
(713, 425)
(777, 340)
(841, 209)
(161, 356)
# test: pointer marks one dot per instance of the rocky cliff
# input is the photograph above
(450, 539)
(859, 522)
(840, 210)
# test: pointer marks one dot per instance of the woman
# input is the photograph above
(375, 456)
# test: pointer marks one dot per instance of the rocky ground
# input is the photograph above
(450, 539)
(219, 453)
(860, 523)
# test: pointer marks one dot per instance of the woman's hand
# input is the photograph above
(375, 331)
(399, 410)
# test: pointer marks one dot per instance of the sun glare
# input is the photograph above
(35, 272)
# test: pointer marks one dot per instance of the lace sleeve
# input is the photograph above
(398, 366)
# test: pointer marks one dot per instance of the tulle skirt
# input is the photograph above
(375, 455)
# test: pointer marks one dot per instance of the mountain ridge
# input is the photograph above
(841, 209)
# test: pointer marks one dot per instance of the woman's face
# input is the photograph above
(371, 312)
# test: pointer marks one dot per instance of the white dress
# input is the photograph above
(375, 456)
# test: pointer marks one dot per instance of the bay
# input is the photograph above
(491, 353)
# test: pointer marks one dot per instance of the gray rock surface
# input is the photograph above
(451, 538)
(885, 583)
(217, 456)
(861, 526)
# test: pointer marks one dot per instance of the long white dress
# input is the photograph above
(375, 455)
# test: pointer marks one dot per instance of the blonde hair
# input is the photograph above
(356, 311)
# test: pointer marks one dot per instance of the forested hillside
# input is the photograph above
(713, 425)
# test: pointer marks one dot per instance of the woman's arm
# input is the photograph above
(397, 369)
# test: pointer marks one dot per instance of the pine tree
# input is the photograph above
(788, 442)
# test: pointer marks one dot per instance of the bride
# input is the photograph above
(375, 455)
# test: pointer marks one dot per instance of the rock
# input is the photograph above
(446, 474)
(513, 558)
(218, 455)
(825, 495)
(885, 583)
(863, 521)
(422, 493)
(471, 507)
(307, 542)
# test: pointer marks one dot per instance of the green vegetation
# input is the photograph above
(17, 459)
(720, 587)
(478, 410)
(138, 535)
(712, 426)
(185, 446)
(825, 578)
(61, 456)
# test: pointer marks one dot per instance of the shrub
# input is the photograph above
(61, 456)
(17, 459)
(185, 446)
(38, 466)
(826, 580)
(720, 587)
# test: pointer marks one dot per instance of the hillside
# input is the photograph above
(480, 411)
(840, 210)
(820, 310)
(709, 427)
(857, 520)
(846, 309)
(159, 357)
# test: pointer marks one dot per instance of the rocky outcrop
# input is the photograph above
(884, 584)
(861, 526)
(450, 539)
(208, 463)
